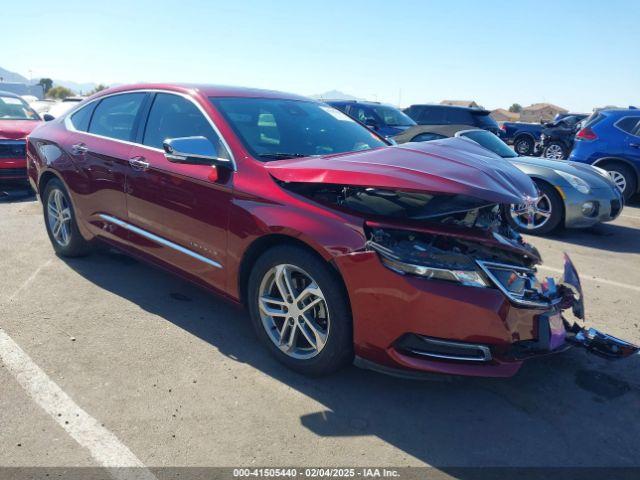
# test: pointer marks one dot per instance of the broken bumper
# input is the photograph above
(404, 323)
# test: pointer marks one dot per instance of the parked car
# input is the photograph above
(61, 107)
(610, 139)
(525, 137)
(385, 119)
(578, 116)
(452, 115)
(572, 195)
(17, 120)
(340, 245)
(556, 139)
(42, 106)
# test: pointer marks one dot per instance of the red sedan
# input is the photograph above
(17, 120)
(341, 246)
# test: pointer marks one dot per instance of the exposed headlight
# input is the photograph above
(470, 278)
(519, 284)
(576, 182)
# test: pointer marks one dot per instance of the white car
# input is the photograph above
(62, 107)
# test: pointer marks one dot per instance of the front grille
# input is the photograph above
(616, 206)
(13, 172)
(13, 149)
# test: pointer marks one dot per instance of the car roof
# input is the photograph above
(206, 90)
(358, 102)
(634, 112)
(9, 94)
(481, 111)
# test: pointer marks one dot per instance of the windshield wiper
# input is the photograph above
(282, 155)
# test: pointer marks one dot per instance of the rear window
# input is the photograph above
(627, 124)
(485, 121)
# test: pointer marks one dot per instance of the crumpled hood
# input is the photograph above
(16, 129)
(453, 165)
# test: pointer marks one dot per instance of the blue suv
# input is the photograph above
(610, 139)
(386, 120)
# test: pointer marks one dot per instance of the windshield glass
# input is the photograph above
(276, 129)
(491, 142)
(393, 117)
(12, 108)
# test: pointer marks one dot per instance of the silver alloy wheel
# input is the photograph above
(294, 311)
(522, 147)
(59, 217)
(554, 152)
(619, 179)
(532, 216)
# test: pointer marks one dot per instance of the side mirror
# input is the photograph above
(193, 151)
(371, 123)
(47, 117)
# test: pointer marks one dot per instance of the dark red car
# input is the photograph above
(17, 120)
(340, 245)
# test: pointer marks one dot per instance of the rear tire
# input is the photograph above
(300, 270)
(61, 223)
(624, 178)
(524, 146)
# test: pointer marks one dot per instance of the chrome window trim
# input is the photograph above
(159, 240)
(69, 126)
(635, 127)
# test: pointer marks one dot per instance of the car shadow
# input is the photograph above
(15, 193)
(605, 236)
(564, 410)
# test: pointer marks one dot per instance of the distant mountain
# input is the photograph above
(334, 95)
(76, 87)
(10, 77)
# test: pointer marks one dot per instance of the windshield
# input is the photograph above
(491, 142)
(277, 129)
(393, 117)
(12, 108)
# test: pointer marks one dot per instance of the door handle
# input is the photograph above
(634, 145)
(138, 163)
(79, 148)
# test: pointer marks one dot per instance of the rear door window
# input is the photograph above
(432, 116)
(627, 124)
(80, 119)
(115, 116)
(455, 116)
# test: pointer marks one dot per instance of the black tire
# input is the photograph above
(338, 349)
(524, 145)
(631, 182)
(554, 221)
(77, 246)
(553, 146)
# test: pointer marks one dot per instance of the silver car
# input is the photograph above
(573, 195)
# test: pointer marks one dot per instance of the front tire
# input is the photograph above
(61, 223)
(300, 311)
(540, 219)
(555, 151)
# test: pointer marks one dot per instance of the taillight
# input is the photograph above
(586, 134)
(503, 127)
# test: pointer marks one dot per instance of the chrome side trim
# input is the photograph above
(159, 240)
(69, 126)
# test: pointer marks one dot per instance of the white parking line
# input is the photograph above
(629, 216)
(635, 288)
(30, 279)
(103, 445)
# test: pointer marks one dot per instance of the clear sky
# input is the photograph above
(577, 54)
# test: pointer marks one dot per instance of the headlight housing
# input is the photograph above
(519, 284)
(470, 278)
(576, 182)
